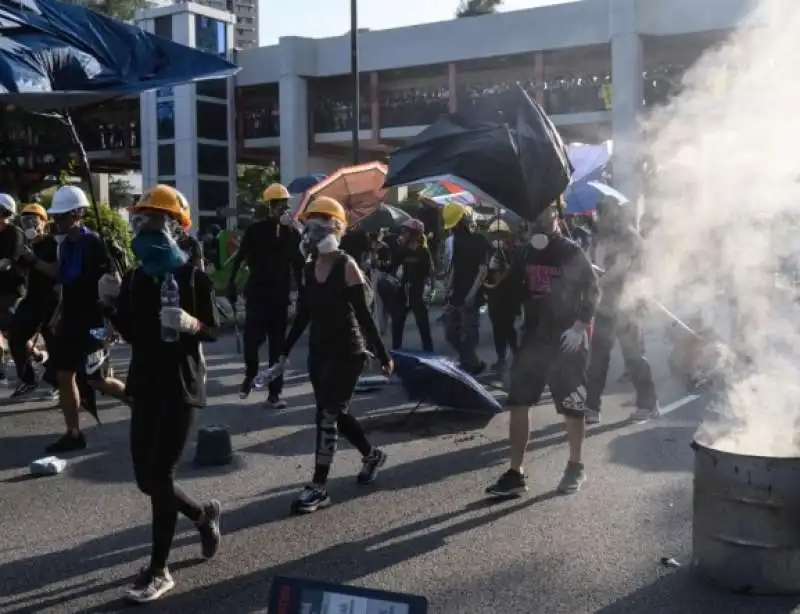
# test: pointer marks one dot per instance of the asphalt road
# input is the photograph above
(73, 543)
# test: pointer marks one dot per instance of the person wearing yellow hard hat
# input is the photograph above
(78, 355)
(39, 260)
(164, 308)
(465, 296)
(335, 305)
(12, 279)
(502, 307)
(556, 285)
(270, 248)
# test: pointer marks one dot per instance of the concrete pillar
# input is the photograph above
(539, 78)
(294, 113)
(452, 85)
(627, 96)
(375, 106)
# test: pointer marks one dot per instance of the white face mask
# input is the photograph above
(31, 233)
(328, 245)
(539, 241)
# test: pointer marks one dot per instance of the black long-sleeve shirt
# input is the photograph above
(157, 368)
(271, 251)
(556, 285)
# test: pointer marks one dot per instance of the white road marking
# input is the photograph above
(679, 403)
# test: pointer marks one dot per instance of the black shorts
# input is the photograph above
(541, 363)
(71, 347)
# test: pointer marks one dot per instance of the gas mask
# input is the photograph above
(154, 243)
(543, 227)
(319, 237)
(30, 226)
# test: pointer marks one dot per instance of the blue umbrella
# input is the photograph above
(429, 378)
(301, 184)
(584, 196)
(56, 56)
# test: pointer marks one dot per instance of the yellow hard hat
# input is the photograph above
(275, 191)
(453, 213)
(34, 209)
(499, 226)
(324, 205)
(167, 199)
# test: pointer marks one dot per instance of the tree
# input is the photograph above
(476, 8)
(251, 181)
(124, 10)
(120, 193)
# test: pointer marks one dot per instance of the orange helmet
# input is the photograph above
(34, 209)
(324, 205)
(167, 199)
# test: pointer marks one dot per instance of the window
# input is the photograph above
(212, 195)
(210, 35)
(213, 160)
(165, 113)
(170, 182)
(166, 160)
(213, 88)
(206, 222)
(212, 120)
(165, 92)
(163, 27)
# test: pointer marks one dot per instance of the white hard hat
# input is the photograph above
(7, 203)
(68, 198)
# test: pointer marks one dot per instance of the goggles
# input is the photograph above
(154, 221)
(29, 221)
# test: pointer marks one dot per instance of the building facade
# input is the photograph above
(245, 30)
(594, 64)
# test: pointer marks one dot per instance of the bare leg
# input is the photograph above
(519, 430)
(69, 399)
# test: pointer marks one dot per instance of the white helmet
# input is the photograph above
(8, 204)
(68, 198)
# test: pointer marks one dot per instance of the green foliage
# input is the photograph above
(111, 225)
(124, 10)
(476, 8)
(251, 181)
(120, 193)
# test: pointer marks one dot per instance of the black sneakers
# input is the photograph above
(511, 484)
(150, 586)
(246, 388)
(310, 499)
(210, 535)
(371, 466)
(23, 388)
(275, 402)
(69, 442)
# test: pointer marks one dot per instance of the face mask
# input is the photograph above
(539, 241)
(328, 245)
(158, 252)
(31, 233)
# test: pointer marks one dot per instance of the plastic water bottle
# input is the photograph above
(170, 297)
(265, 376)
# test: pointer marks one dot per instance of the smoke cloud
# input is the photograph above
(726, 197)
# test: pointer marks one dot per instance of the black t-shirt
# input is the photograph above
(471, 251)
(557, 286)
(166, 370)
(271, 251)
(356, 244)
(192, 248)
(12, 241)
(42, 287)
(382, 256)
(417, 266)
(81, 263)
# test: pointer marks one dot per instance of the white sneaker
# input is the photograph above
(641, 416)
(150, 587)
(592, 416)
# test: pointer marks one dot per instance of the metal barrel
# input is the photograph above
(746, 521)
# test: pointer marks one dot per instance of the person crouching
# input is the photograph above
(163, 308)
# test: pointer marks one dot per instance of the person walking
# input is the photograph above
(335, 305)
(416, 266)
(503, 308)
(164, 308)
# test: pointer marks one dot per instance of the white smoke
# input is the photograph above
(727, 198)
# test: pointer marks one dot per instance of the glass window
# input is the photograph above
(166, 160)
(212, 160)
(212, 195)
(165, 112)
(206, 222)
(213, 88)
(167, 182)
(209, 35)
(163, 27)
(165, 92)
(212, 120)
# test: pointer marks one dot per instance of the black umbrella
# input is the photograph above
(56, 57)
(385, 216)
(522, 169)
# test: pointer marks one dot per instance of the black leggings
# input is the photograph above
(159, 430)
(334, 379)
(502, 314)
(416, 304)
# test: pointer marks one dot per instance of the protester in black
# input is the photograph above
(12, 276)
(34, 312)
(192, 248)
(503, 308)
(165, 378)
(78, 322)
(430, 214)
(618, 321)
(381, 265)
(416, 264)
(334, 304)
(468, 269)
(270, 248)
(559, 290)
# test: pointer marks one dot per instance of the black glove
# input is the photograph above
(27, 257)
